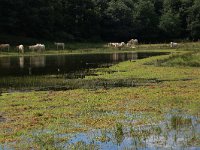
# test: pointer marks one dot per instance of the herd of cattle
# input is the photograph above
(132, 44)
(36, 47)
(41, 47)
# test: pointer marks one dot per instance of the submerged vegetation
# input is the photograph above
(152, 101)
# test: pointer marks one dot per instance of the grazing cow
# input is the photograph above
(20, 48)
(60, 45)
(120, 45)
(5, 46)
(133, 42)
(32, 47)
(116, 45)
(130, 45)
(37, 47)
(173, 44)
(41, 47)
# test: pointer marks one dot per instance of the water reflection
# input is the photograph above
(132, 56)
(115, 57)
(37, 61)
(5, 62)
(41, 65)
(161, 136)
(21, 62)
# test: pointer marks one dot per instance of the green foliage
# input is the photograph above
(171, 24)
(172, 5)
(145, 19)
(95, 20)
(194, 20)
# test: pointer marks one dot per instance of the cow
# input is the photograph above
(37, 47)
(132, 42)
(5, 46)
(173, 44)
(112, 44)
(116, 45)
(60, 45)
(33, 47)
(130, 45)
(120, 45)
(41, 47)
(20, 48)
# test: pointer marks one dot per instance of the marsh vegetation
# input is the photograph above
(129, 104)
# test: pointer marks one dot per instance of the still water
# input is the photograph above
(54, 64)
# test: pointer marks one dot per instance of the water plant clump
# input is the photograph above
(178, 121)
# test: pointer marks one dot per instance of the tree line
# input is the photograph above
(101, 20)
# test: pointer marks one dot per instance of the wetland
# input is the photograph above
(133, 100)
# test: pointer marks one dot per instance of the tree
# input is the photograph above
(145, 20)
(170, 24)
(110, 20)
(116, 21)
(172, 5)
(184, 13)
(81, 18)
(8, 16)
(194, 20)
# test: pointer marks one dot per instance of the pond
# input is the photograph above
(177, 131)
(63, 64)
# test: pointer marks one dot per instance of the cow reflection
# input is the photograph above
(115, 57)
(21, 62)
(132, 56)
(37, 61)
(5, 62)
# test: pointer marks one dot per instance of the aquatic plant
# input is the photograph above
(119, 135)
(178, 121)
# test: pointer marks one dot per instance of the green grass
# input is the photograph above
(77, 48)
(190, 59)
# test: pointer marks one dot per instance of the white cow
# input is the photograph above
(114, 44)
(133, 41)
(41, 47)
(120, 45)
(5, 46)
(20, 48)
(32, 47)
(37, 47)
(60, 45)
(173, 44)
(130, 45)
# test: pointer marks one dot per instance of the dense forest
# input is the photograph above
(101, 20)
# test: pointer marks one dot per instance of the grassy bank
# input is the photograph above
(154, 87)
(77, 48)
